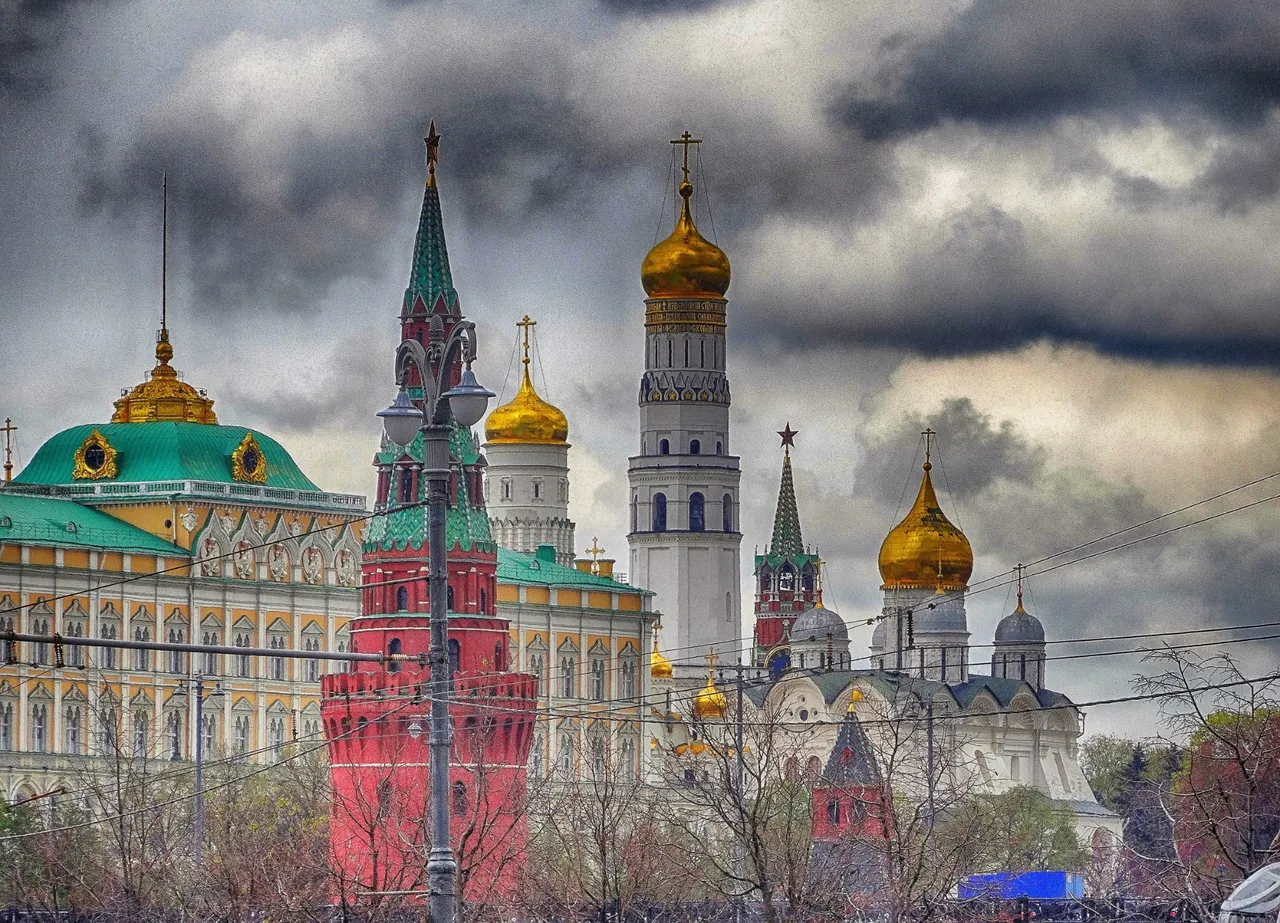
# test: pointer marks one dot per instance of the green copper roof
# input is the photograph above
(430, 276)
(465, 526)
(515, 567)
(162, 451)
(66, 524)
(786, 539)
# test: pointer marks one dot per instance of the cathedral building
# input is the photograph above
(684, 532)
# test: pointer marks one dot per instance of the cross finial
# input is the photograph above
(9, 429)
(788, 437)
(595, 550)
(1019, 569)
(433, 152)
(928, 435)
(712, 659)
(526, 324)
(686, 139)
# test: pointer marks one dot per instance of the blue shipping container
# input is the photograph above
(1036, 886)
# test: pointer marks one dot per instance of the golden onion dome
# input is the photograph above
(527, 419)
(710, 702)
(163, 397)
(659, 666)
(925, 549)
(686, 264)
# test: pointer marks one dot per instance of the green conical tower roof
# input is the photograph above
(786, 522)
(430, 278)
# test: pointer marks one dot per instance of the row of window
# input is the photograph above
(697, 512)
(536, 491)
(208, 662)
(695, 447)
(567, 680)
(602, 755)
(140, 742)
(700, 350)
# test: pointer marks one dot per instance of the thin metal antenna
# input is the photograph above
(164, 260)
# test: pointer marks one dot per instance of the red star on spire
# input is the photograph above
(788, 436)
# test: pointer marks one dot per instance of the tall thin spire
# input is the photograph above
(164, 352)
(430, 279)
(786, 522)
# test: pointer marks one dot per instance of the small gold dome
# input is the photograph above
(686, 264)
(527, 418)
(659, 666)
(710, 702)
(925, 549)
(163, 396)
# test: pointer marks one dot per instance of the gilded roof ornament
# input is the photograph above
(710, 702)
(686, 265)
(247, 461)
(95, 459)
(925, 549)
(527, 419)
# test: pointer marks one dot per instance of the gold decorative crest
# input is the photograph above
(95, 459)
(247, 461)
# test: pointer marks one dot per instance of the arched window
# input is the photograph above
(726, 511)
(402, 599)
(695, 447)
(670, 353)
(786, 579)
(686, 352)
(635, 515)
(484, 601)
(455, 656)
(807, 577)
(664, 447)
(719, 448)
(660, 512)
(393, 647)
(833, 811)
(766, 578)
(449, 599)
(406, 485)
(697, 512)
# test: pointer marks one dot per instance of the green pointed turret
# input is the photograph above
(430, 278)
(786, 539)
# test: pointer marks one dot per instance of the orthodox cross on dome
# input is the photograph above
(595, 551)
(788, 437)
(928, 435)
(712, 659)
(686, 139)
(1018, 569)
(433, 152)
(526, 324)
(8, 429)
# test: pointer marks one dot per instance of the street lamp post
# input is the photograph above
(465, 403)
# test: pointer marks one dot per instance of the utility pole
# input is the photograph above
(197, 684)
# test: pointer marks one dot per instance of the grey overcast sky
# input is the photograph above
(1047, 230)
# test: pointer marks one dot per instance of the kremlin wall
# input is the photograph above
(167, 524)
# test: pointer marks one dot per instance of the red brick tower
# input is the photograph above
(788, 575)
(376, 715)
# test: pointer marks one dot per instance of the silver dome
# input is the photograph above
(1019, 627)
(816, 623)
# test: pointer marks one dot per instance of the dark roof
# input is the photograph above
(851, 762)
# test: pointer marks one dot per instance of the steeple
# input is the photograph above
(431, 288)
(786, 521)
(163, 396)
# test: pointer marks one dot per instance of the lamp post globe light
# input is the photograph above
(464, 403)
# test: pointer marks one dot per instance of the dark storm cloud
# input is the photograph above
(980, 286)
(1005, 63)
(29, 31)
(658, 6)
